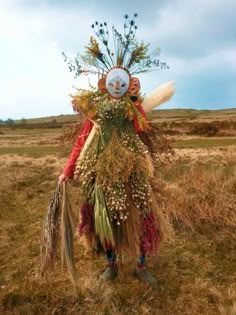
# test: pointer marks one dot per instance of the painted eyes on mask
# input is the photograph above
(122, 85)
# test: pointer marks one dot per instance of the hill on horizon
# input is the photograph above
(166, 114)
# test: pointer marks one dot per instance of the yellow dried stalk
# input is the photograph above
(93, 49)
(139, 53)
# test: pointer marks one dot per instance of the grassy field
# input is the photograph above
(204, 143)
(196, 269)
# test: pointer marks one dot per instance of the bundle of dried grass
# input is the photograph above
(115, 163)
(50, 233)
(160, 211)
(144, 165)
(159, 147)
(67, 234)
(165, 226)
(127, 235)
(58, 222)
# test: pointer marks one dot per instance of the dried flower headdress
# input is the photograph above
(125, 52)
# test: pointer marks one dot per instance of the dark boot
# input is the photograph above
(110, 273)
(144, 275)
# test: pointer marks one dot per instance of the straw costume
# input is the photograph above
(113, 165)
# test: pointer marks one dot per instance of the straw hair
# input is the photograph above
(160, 95)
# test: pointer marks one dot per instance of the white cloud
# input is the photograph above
(192, 28)
(34, 80)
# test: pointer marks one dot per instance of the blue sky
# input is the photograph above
(197, 39)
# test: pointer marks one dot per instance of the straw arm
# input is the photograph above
(160, 95)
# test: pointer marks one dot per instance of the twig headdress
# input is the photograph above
(126, 52)
(119, 58)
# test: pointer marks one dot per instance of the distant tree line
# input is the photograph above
(10, 121)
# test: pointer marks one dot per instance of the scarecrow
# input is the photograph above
(112, 162)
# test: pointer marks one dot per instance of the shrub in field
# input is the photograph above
(204, 129)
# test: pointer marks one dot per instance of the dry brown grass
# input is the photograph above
(201, 195)
(196, 271)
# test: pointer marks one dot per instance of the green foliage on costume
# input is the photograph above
(102, 221)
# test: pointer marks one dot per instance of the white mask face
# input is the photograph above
(117, 82)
